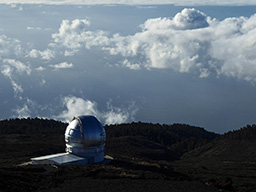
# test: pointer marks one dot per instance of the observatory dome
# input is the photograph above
(85, 137)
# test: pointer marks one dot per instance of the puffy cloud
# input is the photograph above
(190, 19)
(74, 35)
(11, 65)
(46, 54)
(78, 106)
(11, 69)
(9, 46)
(75, 26)
(128, 64)
(156, 24)
(189, 42)
(115, 117)
(63, 65)
(186, 19)
(174, 43)
(69, 53)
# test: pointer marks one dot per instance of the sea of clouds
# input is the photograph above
(190, 42)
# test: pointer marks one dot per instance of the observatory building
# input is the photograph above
(85, 139)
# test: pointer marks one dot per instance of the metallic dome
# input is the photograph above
(85, 136)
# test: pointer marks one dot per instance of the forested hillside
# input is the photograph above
(31, 126)
(245, 133)
(178, 137)
(238, 145)
(232, 155)
(178, 156)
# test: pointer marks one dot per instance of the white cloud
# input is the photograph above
(189, 42)
(22, 112)
(38, 28)
(63, 65)
(46, 54)
(12, 65)
(190, 19)
(78, 106)
(186, 19)
(9, 46)
(69, 53)
(115, 115)
(40, 68)
(74, 35)
(34, 28)
(128, 64)
(204, 73)
(28, 108)
(132, 2)
(11, 69)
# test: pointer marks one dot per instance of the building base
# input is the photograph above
(65, 159)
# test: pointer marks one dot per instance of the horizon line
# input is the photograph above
(132, 2)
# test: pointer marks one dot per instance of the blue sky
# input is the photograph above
(183, 63)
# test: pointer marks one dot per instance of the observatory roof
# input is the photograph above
(85, 130)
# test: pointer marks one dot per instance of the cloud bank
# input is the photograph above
(191, 42)
(76, 106)
(132, 2)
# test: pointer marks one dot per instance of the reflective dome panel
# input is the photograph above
(85, 136)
